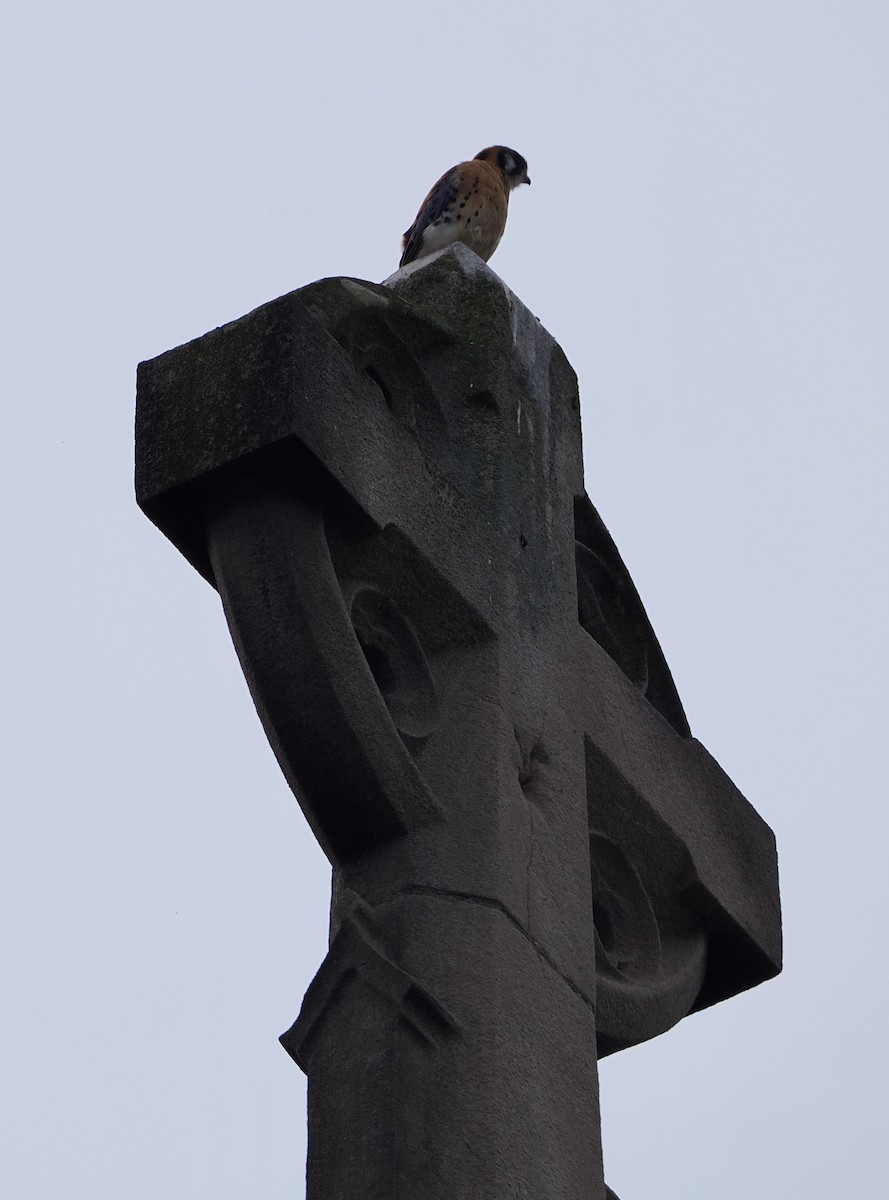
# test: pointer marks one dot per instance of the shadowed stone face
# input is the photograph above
(534, 862)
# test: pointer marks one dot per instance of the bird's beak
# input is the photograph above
(526, 180)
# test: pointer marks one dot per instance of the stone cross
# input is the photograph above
(534, 863)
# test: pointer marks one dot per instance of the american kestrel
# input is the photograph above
(468, 204)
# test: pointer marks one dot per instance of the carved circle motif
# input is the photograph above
(628, 943)
(396, 660)
(603, 613)
(648, 972)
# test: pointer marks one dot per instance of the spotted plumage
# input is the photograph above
(468, 204)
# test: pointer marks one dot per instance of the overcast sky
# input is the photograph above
(706, 236)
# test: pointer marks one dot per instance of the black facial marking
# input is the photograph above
(511, 163)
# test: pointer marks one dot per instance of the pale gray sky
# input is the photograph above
(706, 236)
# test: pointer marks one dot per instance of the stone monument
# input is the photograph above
(534, 862)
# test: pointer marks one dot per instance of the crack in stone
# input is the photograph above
(488, 902)
(529, 863)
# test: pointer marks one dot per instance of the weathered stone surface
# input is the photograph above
(533, 859)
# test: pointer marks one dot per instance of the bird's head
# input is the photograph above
(508, 162)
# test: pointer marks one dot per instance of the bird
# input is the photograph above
(468, 204)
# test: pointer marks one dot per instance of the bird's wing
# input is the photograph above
(442, 194)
